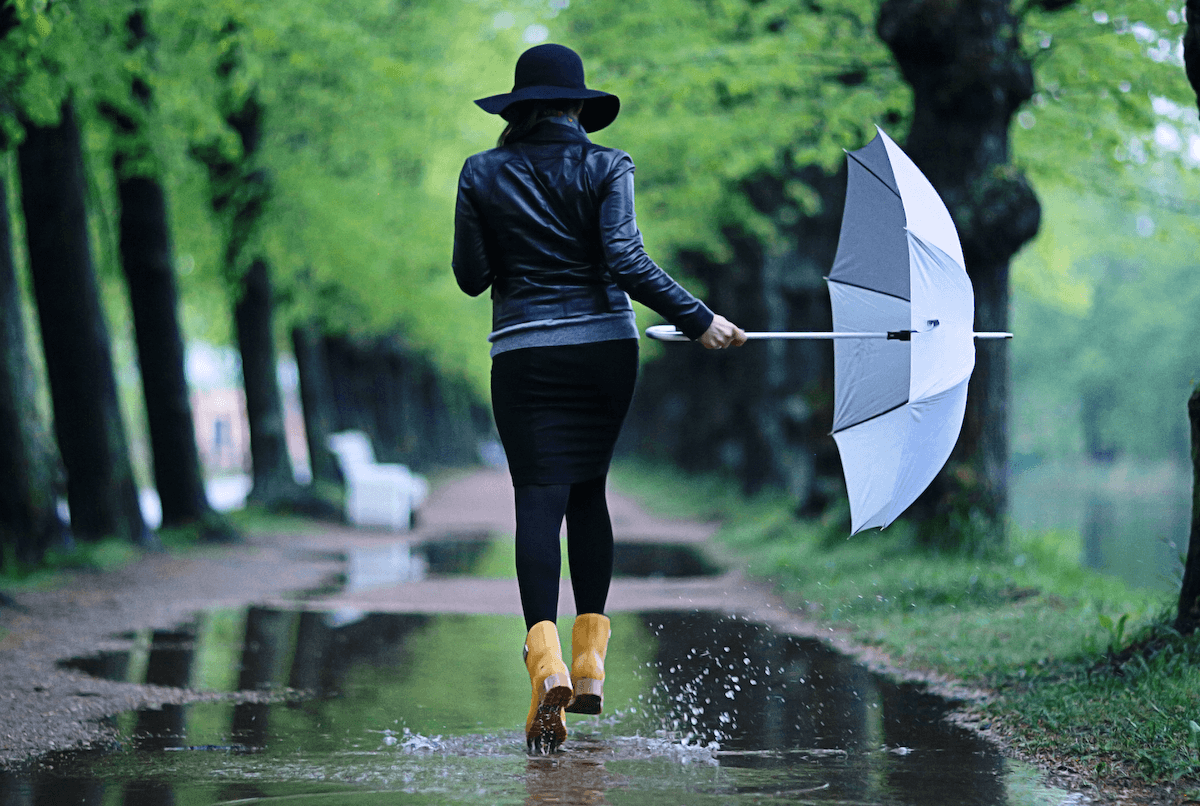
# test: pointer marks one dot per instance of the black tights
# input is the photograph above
(540, 511)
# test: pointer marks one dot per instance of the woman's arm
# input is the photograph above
(472, 268)
(642, 278)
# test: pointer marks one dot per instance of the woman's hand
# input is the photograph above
(722, 333)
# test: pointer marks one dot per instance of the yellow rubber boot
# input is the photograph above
(589, 642)
(545, 727)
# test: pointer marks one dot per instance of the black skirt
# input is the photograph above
(559, 409)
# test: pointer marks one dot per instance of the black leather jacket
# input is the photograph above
(548, 223)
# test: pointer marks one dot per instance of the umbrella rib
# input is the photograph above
(868, 419)
(867, 288)
(881, 180)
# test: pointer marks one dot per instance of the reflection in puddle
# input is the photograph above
(700, 709)
(661, 559)
(396, 562)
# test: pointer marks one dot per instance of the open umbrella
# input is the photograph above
(904, 350)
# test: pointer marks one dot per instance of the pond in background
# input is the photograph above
(398, 708)
(1133, 518)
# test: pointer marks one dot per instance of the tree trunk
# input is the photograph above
(150, 277)
(969, 76)
(28, 519)
(316, 397)
(274, 482)
(147, 261)
(101, 491)
(1187, 619)
(238, 193)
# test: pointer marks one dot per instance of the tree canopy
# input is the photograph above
(369, 116)
(715, 93)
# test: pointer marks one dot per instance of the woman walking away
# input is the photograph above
(546, 221)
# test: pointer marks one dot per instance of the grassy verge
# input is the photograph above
(1082, 667)
(111, 554)
(59, 563)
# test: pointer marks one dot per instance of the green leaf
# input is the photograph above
(42, 25)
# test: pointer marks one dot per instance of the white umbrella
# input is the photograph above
(903, 315)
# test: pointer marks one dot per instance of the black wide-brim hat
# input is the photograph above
(551, 73)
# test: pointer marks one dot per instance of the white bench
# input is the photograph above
(376, 494)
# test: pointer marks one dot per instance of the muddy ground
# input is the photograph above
(44, 707)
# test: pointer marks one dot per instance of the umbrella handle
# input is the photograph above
(670, 333)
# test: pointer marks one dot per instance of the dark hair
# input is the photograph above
(524, 115)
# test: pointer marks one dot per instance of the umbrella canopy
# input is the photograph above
(904, 350)
(898, 402)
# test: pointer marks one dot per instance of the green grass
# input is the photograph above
(110, 554)
(259, 520)
(1139, 719)
(1025, 621)
(102, 555)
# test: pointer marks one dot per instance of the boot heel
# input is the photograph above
(589, 643)
(556, 690)
(545, 728)
(548, 726)
(589, 697)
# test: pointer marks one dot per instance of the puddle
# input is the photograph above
(700, 709)
(487, 555)
(397, 562)
(661, 560)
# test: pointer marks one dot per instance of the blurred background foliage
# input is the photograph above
(369, 116)
(1106, 357)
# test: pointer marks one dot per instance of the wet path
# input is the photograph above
(404, 684)
(469, 513)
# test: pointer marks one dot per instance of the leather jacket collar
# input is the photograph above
(555, 130)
